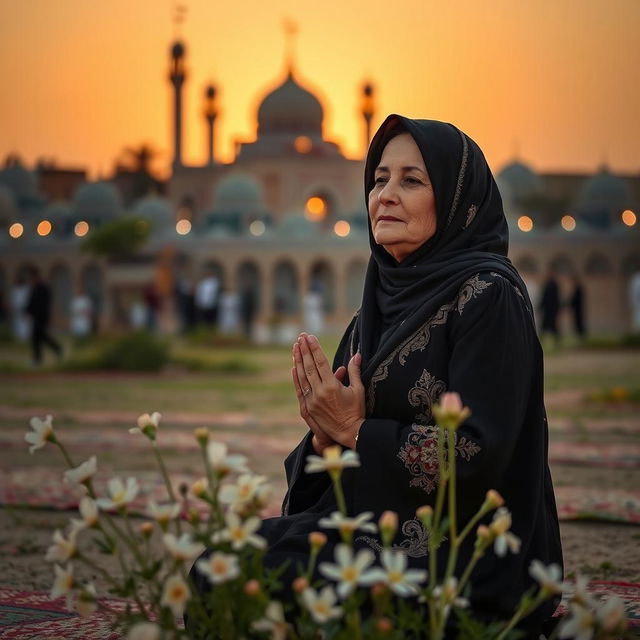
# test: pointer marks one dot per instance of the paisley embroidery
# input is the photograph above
(420, 454)
(421, 338)
(471, 214)
(424, 394)
(415, 544)
(463, 170)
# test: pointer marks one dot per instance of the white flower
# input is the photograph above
(224, 464)
(350, 570)
(240, 533)
(578, 625)
(395, 574)
(182, 548)
(175, 594)
(549, 577)
(449, 595)
(321, 606)
(89, 512)
(581, 594)
(144, 631)
(163, 513)
(611, 615)
(63, 583)
(121, 495)
(43, 433)
(82, 472)
(333, 459)
(147, 425)
(86, 602)
(240, 494)
(273, 621)
(62, 548)
(219, 567)
(348, 525)
(504, 539)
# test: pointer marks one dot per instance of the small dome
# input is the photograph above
(156, 210)
(21, 182)
(60, 215)
(97, 201)
(290, 109)
(602, 198)
(7, 204)
(521, 180)
(296, 225)
(238, 193)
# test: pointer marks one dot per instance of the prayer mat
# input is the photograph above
(32, 615)
(582, 503)
(619, 455)
(628, 592)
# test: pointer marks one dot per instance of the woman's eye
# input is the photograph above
(412, 180)
(380, 180)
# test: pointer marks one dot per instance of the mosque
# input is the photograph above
(287, 215)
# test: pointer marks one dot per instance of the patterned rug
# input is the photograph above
(32, 615)
(44, 488)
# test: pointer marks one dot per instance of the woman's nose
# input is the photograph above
(388, 193)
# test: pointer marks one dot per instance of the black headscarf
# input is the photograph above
(471, 237)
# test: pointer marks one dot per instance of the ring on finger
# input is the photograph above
(306, 392)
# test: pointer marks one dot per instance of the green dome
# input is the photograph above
(156, 210)
(97, 201)
(521, 181)
(602, 199)
(238, 193)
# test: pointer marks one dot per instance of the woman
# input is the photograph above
(443, 309)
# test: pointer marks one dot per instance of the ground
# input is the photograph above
(254, 410)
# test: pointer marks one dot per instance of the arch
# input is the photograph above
(92, 283)
(322, 280)
(526, 265)
(356, 272)
(61, 290)
(286, 288)
(562, 265)
(598, 265)
(249, 282)
(218, 270)
(631, 264)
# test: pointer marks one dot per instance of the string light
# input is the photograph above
(629, 217)
(568, 223)
(81, 229)
(16, 230)
(183, 226)
(43, 228)
(342, 228)
(525, 223)
(316, 208)
(257, 228)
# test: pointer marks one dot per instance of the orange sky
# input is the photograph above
(555, 79)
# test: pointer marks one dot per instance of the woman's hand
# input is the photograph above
(333, 412)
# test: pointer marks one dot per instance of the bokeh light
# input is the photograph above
(183, 226)
(568, 223)
(81, 229)
(316, 208)
(257, 228)
(43, 228)
(629, 217)
(342, 228)
(303, 144)
(16, 230)
(525, 223)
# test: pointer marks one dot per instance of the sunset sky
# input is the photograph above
(555, 82)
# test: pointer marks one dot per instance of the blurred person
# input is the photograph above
(634, 302)
(229, 312)
(443, 309)
(549, 307)
(82, 312)
(576, 305)
(20, 321)
(313, 310)
(247, 310)
(207, 297)
(39, 308)
(185, 304)
(152, 306)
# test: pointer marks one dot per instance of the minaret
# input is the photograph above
(210, 113)
(367, 111)
(177, 77)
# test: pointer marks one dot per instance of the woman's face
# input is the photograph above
(402, 205)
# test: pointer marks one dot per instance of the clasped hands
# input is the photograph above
(333, 412)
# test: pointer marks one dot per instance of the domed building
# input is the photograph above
(287, 216)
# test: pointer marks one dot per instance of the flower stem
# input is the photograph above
(167, 481)
(337, 489)
(66, 455)
(524, 609)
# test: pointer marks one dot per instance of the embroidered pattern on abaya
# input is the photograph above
(418, 340)
(424, 394)
(415, 544)
(420, 454)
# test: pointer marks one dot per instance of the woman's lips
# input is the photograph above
(388, 219)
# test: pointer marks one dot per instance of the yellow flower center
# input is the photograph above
(349, 574)
(395, 576)
(219, 566)
(178, 592)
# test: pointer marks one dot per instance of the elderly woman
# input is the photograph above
(442, 309)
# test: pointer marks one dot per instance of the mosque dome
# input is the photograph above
(521, 181)
(60, 215)
(238, 193)
(96, 201)
(156, 210)
(296, 225)
(290, 109)
(22, 183)
(602, 198)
